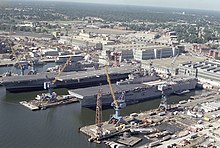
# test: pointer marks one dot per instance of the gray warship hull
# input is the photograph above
(134, 93)
(69, 80)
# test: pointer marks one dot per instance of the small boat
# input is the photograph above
(182, 102)
(182, 92)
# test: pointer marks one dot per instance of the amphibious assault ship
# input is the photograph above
(133, 92)
(79, 79)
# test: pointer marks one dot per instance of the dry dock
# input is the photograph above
(43, 104)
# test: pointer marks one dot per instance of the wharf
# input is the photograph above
(204, 95)
(42, 104)
(48, 60)
(130, 141)
(183, 125)
(108, 128)
(111, 130)
(5, 63)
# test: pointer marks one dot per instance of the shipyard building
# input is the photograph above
(138, 52)
(205, 71)
(171, 64)
(155, 52)
(86, 39)
(119, 52)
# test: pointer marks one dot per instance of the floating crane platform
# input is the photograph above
(43, 104)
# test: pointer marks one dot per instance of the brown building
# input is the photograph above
(214, 54)
(204, 49)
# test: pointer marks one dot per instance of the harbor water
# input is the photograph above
(54, 127)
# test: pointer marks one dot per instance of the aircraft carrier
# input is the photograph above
(133, 93)
(78, 79)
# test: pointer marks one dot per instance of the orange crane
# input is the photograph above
(117, 104)
(13, 52)
(18, 61)
(99, 114)
(50, 85)
(62, 69)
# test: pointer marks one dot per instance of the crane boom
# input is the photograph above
(99, 114)
(110, 86)
(17, 59)
(64, 66)
(174, 59)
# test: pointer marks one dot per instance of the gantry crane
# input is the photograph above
(117, 104)
(49, 85)
(163, 103)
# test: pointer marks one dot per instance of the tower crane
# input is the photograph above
(99, 114)
(22, 67)
(49, 85)
(117, 104)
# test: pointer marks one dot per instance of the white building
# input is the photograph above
(144, 54)
(165, 52)
(155, 52)
(125, 51)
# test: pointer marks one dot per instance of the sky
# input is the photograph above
(191, 4)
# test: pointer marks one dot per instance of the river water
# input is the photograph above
(54, 127)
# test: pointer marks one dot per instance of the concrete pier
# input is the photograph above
(182, 125)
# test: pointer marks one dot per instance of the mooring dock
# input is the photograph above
(111, 130)
(29, 105)
(190, 124)
(43, 104)
(130, 141)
